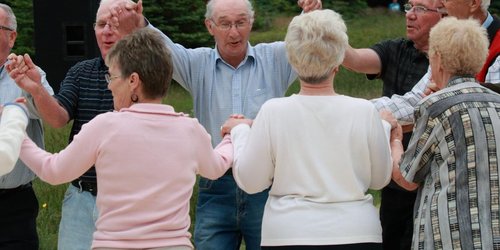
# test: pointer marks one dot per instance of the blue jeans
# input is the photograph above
(78, 217)
(225, 215)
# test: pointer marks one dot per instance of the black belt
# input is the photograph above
(87, 186)
(10, 190)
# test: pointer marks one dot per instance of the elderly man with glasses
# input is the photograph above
(400, 63)
(18, 203)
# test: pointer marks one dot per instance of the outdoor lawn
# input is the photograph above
(366, 29)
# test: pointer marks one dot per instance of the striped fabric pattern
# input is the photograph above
(454, 155)
(84, 94)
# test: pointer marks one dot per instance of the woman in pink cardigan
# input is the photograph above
(146, 155)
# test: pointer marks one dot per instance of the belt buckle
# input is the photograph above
(80, 187)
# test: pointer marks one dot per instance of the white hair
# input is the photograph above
(316, 43)
(10, 16)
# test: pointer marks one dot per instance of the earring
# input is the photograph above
(134, 98)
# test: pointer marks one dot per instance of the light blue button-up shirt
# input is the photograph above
(9, 91)
(219, 90)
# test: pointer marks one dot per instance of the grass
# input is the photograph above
(374, 26)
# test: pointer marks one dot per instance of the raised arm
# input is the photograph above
(27, 76)
(127, 16)
(362, 60)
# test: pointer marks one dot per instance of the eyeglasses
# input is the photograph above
(419, 9)
(102, 25)
(225, 26)
(6, 28)
(110, 78)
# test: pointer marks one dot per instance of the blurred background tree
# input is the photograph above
(183, 20)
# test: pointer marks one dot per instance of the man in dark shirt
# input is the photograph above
(400, 63)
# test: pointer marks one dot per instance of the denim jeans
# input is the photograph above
(78, 217)
(225, 215)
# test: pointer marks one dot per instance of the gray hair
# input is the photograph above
(210, 9)
(10, 16)
(485, 4)
(316, 43)
(461, 43)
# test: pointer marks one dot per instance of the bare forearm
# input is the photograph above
(362, 61)
(49, 109)
(397, 152)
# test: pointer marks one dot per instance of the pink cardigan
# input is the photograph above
(146, 158)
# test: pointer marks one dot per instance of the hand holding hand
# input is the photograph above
(431, 88)
(388, 117)
(126, 16)
(309, 5)
(232, 122)
(24, 72)
(397, 133)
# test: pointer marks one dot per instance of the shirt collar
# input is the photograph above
(152, 108)
(488, 21)
(454, 80)
(250, 54)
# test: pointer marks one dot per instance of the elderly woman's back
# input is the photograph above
(454, 152)
(318, 151)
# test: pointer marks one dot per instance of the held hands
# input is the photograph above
(388, 117)
(232, 122)
(24, 72)
(309, 5)
(396, 153)
(126, 16)
(431, 88)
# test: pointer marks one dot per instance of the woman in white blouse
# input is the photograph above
(318, 151)
(12, 132)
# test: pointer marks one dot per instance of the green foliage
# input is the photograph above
(182, 21)
(266, 11)
(25, 28)
(494, 8)
(348, 8)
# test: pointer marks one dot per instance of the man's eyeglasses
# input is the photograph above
(110, 78)
(6, 28)
(102, 25)
(419, 9)
(225, 26)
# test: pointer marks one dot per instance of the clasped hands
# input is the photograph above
(397, 150)
(233, 121)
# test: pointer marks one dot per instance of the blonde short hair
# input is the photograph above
(462, 44)
(316, 43)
